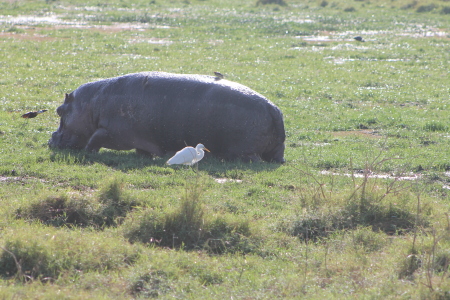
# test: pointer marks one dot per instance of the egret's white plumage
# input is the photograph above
(188, 156)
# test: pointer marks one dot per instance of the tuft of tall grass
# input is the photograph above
(116, 203)
(151, 285)
(426, 8)
(434, 126)
(363, 204)
(320, 224)
(191, 226)
(36, 252)
(60, 210)
(408, 266)
(109, 208)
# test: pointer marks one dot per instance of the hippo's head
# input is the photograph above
(76, 125)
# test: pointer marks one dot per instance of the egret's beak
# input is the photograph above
(206, 149)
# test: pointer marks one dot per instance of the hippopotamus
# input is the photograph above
(158, 113)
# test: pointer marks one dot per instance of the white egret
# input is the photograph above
(188, 156)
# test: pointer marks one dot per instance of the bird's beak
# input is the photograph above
(206, 149)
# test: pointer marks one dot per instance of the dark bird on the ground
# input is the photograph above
(33, 114)
(359, 38)
(218, 75)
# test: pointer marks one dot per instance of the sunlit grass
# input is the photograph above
(117, 225)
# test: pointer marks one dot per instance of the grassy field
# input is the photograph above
(359, 210)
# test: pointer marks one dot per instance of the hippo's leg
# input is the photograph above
(244, 157)
(275, 155)
(97, 140)
(148, 148)
(254, 158)
(143, 152)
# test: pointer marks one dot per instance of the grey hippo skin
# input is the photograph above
(158, 113)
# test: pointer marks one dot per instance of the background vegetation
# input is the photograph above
(360, 209)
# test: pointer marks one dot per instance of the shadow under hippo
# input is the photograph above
(158, 113)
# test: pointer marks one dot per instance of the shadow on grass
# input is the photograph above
(120, 160)
(130, 160)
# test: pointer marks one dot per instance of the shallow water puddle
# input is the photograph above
(225, 180)
(370, 174)
(35, 20)
(324, 38)
(370, 35)
(447, 187)
(58, 23)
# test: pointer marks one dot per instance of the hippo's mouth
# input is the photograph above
(52, 143)
(64, 141)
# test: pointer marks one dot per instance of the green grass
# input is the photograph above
(117, 225)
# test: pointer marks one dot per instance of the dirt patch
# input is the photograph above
(19, 179)
(374, 134)
(28, 37)
(157, 41)
(117, 27)
(215, 42)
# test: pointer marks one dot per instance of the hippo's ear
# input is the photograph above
(69, 97)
